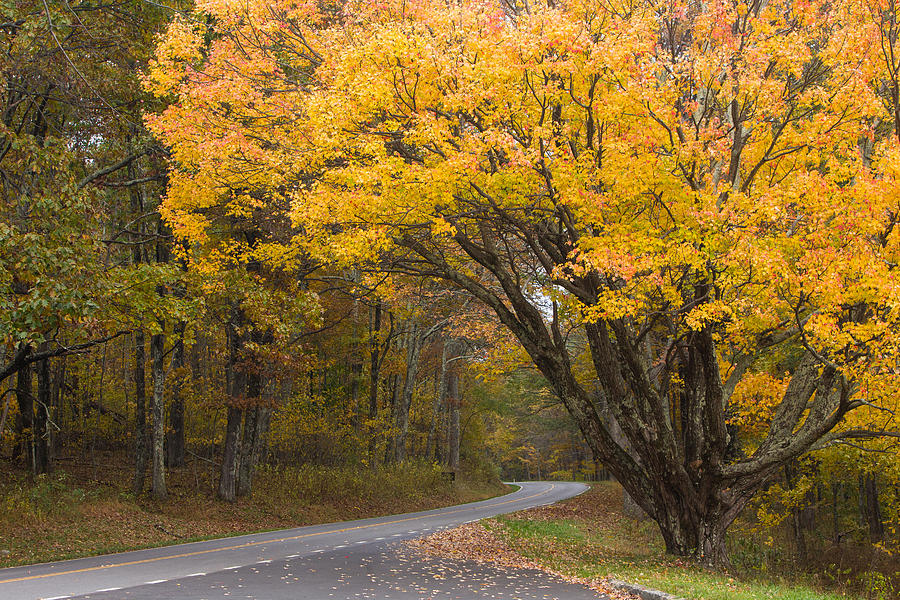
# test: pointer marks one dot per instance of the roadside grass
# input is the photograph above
(589, 537)
(75, 513)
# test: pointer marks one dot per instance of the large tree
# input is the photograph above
(652, 196)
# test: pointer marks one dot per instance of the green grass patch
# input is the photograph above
(589, 537)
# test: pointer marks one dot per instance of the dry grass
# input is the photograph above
(81, 511)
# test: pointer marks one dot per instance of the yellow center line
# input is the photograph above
(261, 542)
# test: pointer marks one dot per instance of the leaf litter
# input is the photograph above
(474, 541)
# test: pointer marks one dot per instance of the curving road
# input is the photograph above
(352, 559)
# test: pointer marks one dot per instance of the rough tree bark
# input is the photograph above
(25, 421)
(236, 385)
(393, 386)
(374, 377)
(249, 440)
(413, 351)
(453, 401)
(140, 414)
(42, 424)
(440, 399)
(175, 449)
(256, 418)
(158, 418)
(870, 507)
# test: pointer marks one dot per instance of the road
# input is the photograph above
(352, 559)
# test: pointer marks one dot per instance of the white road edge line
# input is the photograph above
(233, 567)
(57, 598)
(292, 556)
(198, 574)
(112, 589)
(155, 581)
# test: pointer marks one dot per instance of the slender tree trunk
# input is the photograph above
(236, 382)
(25, 423)
(262, 435)
(799, 536)
(453, 401)
(248, 443)
(175, 442)
(835, 513)
(42, 428)
(394, 385)
(413, 351)
(356, 369)
(140, 414)
(249, 440)
(871, 507)
(228, 477)
(141, 438)
(158, 419)
(374, 378)
(59, 378)
(254, 419)
(439, 400)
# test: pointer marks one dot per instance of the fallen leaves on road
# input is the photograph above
(475, 542)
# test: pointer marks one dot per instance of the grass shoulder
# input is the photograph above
(588, 537)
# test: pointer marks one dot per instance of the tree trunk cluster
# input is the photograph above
(248, 412)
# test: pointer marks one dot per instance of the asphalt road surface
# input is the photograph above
(349, 560)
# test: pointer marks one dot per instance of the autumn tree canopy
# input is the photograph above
(655, 197)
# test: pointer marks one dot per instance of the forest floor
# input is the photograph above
(589, 540)
(87, 508)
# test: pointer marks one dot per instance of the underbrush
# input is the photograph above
(46, 497)
(313, 484)
(852, 564)
(80, 512)
(589, 537)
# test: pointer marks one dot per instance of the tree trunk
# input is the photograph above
(835, 512)
(356, 369)
(228, 476)
(175, 441)
(390, 451)
(453, 401)
(140, 414)
(262, 435)
(255, 419)
(374, 369)
(59, 378)
(236, 383)
(246, 462)
(871, 507)
(158, 419)
(713, 551)
(799, 536)
(42, 428)
(440, 397)
(25, 422)
(413, 351)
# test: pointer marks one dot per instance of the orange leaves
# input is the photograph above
(742, 148)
